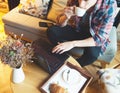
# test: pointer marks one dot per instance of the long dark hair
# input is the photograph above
(72, 2)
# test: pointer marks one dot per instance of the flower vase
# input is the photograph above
(18, 75)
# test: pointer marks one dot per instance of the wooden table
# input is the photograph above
(34, 77)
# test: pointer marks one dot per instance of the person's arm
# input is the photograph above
(63, 18)
(68, 45)
(84, 43)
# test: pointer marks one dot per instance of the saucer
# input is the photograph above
(71, 76)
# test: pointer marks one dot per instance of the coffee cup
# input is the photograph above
(79, 11)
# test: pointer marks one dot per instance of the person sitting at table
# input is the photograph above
(89, 31)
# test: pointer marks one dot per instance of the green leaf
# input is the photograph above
(12, 53)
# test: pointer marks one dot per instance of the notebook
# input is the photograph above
(49, 61)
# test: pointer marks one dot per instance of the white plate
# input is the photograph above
(71, 76)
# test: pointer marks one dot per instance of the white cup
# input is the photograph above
(79, 11)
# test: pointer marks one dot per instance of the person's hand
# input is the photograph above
(63, 47)
(69, 11)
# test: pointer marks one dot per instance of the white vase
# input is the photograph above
(18, 75)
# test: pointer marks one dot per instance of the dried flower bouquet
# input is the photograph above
(15, 51)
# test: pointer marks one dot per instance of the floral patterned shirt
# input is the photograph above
(101, 20)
